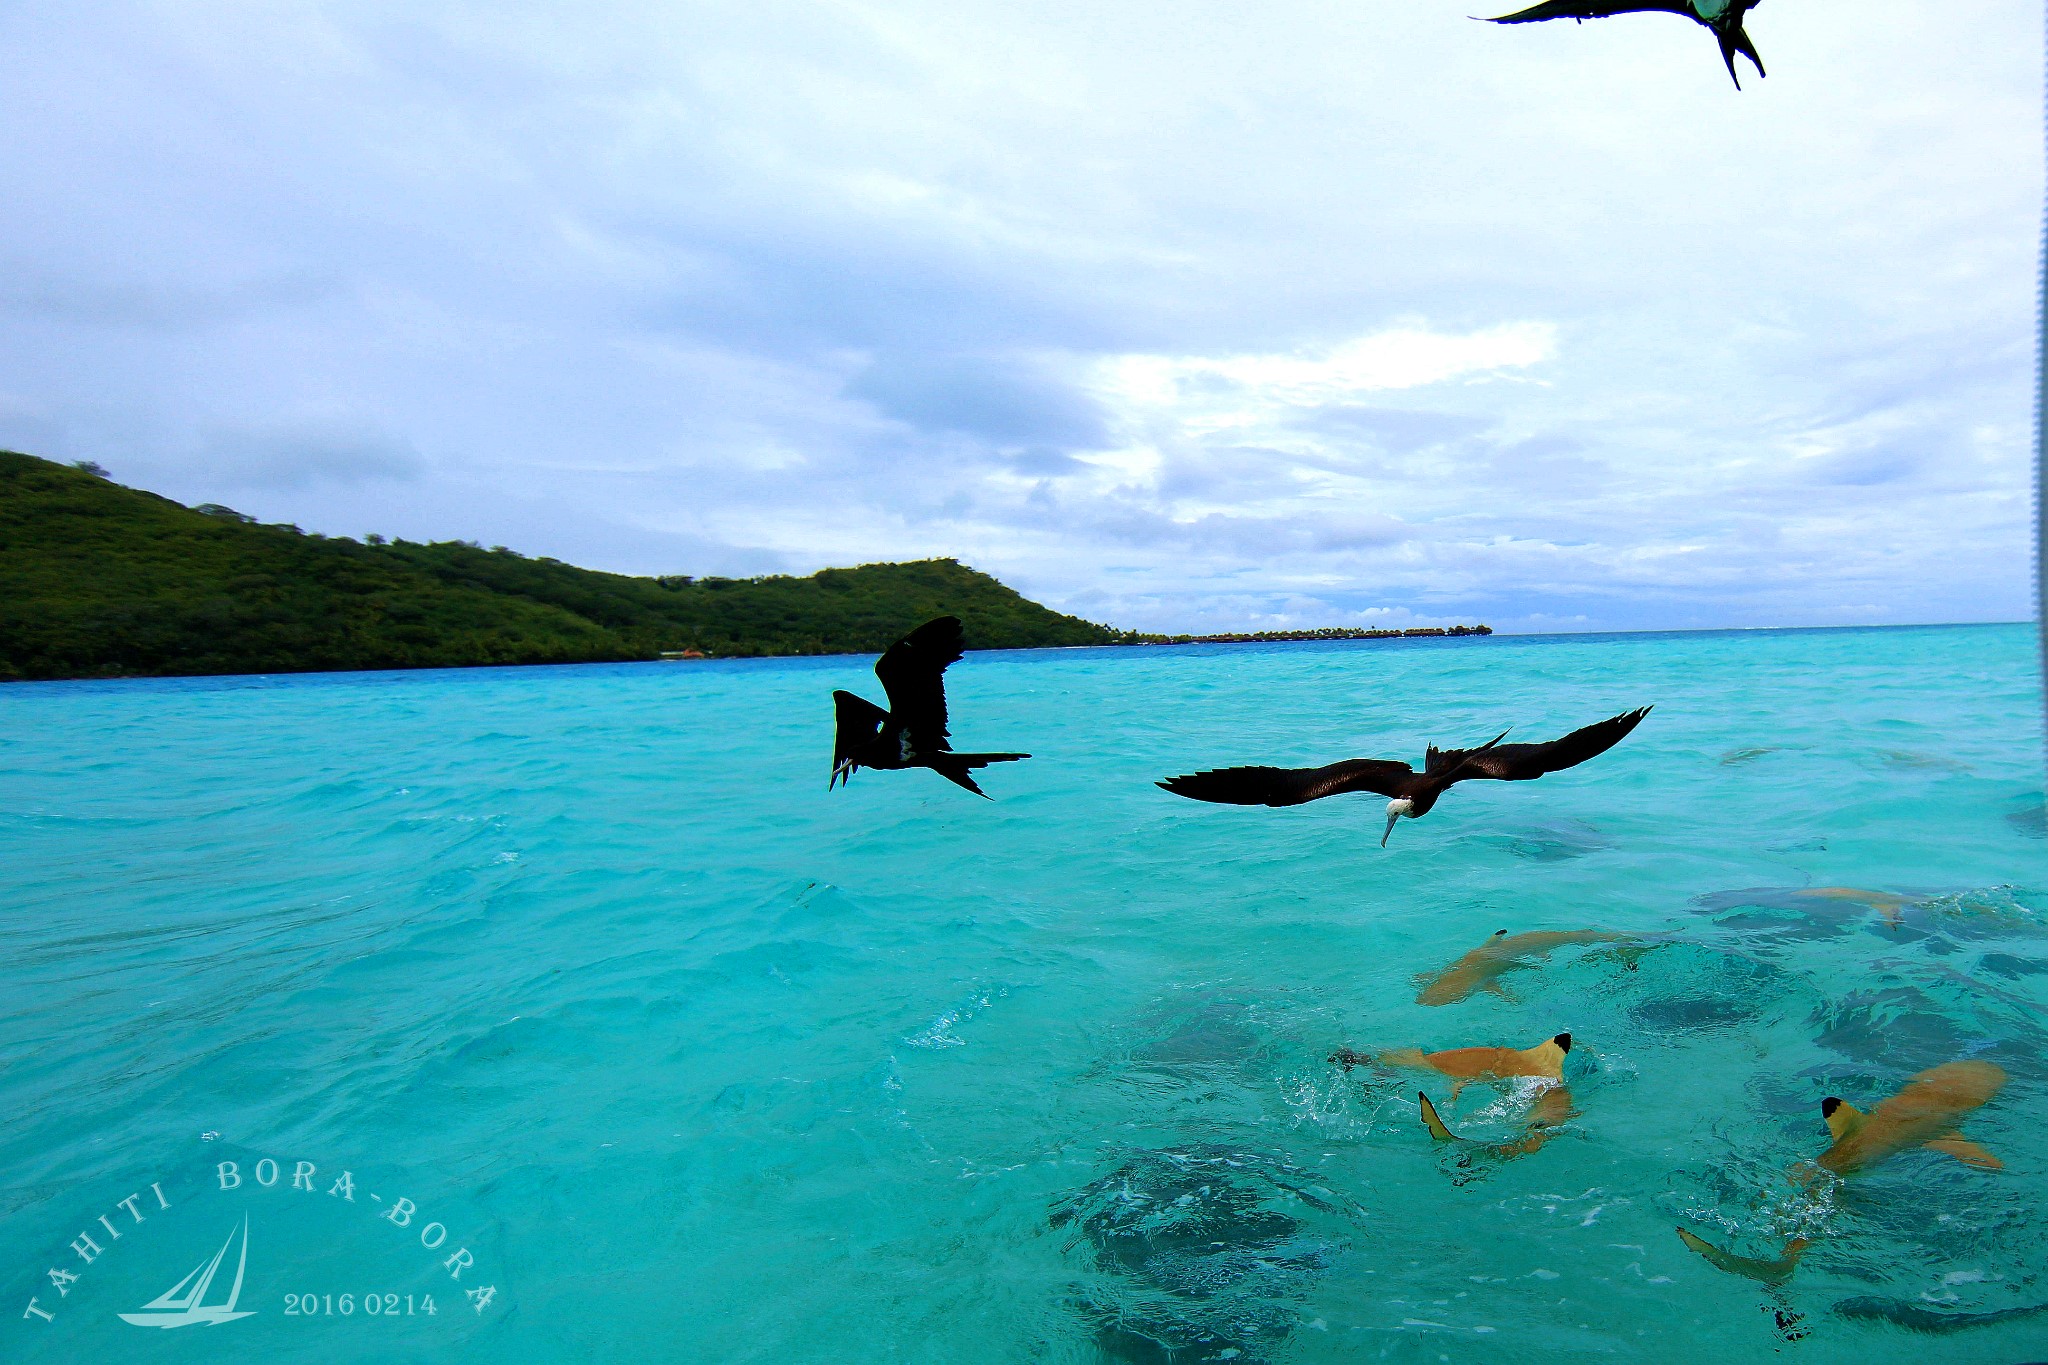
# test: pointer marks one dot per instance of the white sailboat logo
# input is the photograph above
(184, 1303)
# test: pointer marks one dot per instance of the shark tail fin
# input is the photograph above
(1842, 1117)
(1402, 1056)
(1548, 1055)
(1965, 1151)
(1700, 1244)
(1433, 1123)
(1764, 1272)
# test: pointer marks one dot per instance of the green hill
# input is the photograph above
(98, 580)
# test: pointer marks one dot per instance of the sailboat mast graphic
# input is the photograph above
(184, 1303)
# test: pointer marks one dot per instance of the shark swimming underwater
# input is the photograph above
(1482, 968)
(1763, 1272)
(1884, 902)
(1923, 1113)
(1467, 1064)
(1916, 1318)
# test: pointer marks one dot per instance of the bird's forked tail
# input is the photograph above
(955, 767)
(1734, 40)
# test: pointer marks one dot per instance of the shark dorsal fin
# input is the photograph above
(1548, 1055)
(1842, 1117)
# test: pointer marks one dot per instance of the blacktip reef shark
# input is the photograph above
(1482, 968)
(1915, 1318)
(1923, 1113)
(1884, 902)
(912, 732)
(1552, 1109)
(1463, 1065)
(1410, 794)
(1722, 17)
(1763, 1272)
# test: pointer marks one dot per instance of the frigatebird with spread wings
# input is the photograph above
(1724, 17)
(1409, 793)
(912, 732)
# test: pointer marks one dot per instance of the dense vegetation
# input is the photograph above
(98, 580)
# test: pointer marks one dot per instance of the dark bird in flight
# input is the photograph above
(912, 732)
(1724, 17)
(1409, 793)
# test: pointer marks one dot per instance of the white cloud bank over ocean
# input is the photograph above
(1177, 315)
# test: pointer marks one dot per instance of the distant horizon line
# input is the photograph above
(11, 685)
(1497, 632)
(1710, 630)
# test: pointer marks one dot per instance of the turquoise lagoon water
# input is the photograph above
(583, 974)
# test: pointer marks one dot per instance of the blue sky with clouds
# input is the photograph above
(1177, 315)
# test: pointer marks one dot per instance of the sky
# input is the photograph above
(1176, 314)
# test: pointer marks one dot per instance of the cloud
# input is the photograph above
(1407, 357)
(113, 302)
(1397, 430)
(1183, 314)
(1007, 403)
(297, 460)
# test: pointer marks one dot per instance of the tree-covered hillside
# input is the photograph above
(98, 580)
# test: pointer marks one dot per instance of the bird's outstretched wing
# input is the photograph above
(1291, 786)
(1522, 762)
(1595, 9)
(859, 721)
(913, 674)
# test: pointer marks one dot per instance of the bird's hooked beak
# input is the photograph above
(1396, 808)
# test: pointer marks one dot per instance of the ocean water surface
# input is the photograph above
(576, 986)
